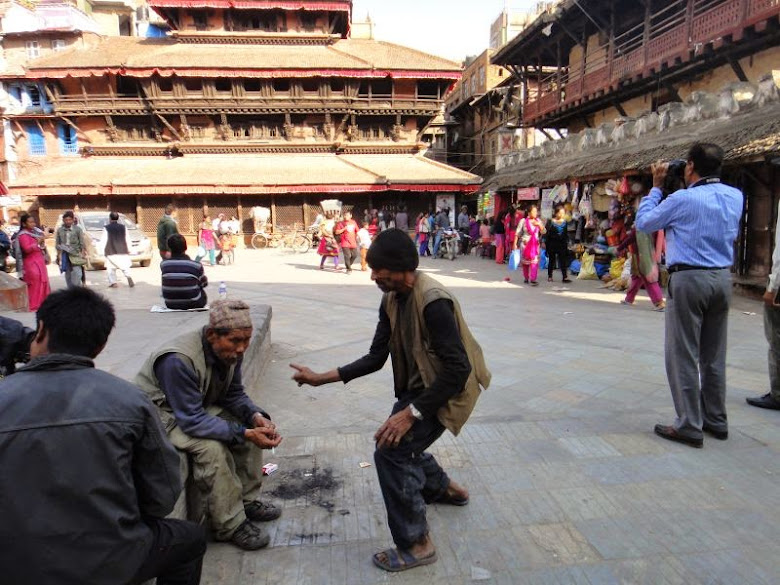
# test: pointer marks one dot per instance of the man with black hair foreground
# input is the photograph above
(88, 474)
(195, 381)
(701, 224)
(15, 340)
(439, 372)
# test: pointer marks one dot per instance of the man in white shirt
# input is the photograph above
(771, 399)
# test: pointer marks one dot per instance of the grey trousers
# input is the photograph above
(696, 334)
(772, 332)
(73, 276)
(229, 476)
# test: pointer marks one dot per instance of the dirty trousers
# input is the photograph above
(228, 476)
(409, 478)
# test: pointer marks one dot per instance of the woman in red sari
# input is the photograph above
(33, 270)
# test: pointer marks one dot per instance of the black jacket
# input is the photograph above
(84, 457)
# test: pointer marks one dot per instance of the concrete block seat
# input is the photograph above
(129, 346)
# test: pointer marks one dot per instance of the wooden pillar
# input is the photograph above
(139, 212)
(760, 200)
(273, 213)
(240, 211)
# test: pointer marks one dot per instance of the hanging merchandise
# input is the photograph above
(585, 204)
(600, 199)
(625, 187)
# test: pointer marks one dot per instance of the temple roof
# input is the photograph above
(236, 174)
(141, 57)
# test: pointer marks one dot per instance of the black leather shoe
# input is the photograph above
(765, 401)
(670, 434)
(720, 435)
(250, 537)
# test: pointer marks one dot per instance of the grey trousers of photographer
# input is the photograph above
(696, 337)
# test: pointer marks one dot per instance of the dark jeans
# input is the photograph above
(350, 255)
(177, 553)
(409, 478)
(557, 256)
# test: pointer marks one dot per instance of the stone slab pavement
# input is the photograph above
(568, 482)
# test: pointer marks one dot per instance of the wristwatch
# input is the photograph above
(415, 413)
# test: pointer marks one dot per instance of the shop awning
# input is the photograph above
(751, 136)
(240, 174)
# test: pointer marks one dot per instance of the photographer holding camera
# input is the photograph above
(701, 223)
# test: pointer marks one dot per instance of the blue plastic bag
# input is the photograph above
(574, 267)
(514, 260)
(543, 260)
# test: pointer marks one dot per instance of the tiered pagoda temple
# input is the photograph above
(245, 103)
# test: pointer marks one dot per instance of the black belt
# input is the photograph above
(686, 267)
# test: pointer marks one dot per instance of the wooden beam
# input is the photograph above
(740, 73)
(76, 128)
(619, 107)
(547, 134)
(672, 91)
(585, 121)
(168, 125)
(559, 133)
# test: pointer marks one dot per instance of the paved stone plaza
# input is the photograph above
(568, 482)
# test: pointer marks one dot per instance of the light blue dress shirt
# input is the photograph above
(701, 223)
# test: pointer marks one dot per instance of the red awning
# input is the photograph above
(3, 190)
(255, 4)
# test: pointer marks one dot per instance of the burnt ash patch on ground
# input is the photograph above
(316, 485)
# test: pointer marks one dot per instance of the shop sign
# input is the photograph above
(446, 200)
(10, 200)
(528, 194)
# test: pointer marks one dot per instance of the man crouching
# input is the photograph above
(195, 381)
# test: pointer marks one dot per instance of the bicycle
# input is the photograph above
(284, 239)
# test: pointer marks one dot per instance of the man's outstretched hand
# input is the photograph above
(263, 437)
(304, 375)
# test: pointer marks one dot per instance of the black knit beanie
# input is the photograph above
(393, 249)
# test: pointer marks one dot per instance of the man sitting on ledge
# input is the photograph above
(183, 280)
(195, 381)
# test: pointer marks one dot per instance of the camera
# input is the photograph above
(675, 177)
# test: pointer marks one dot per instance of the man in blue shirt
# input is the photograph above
(701, 224)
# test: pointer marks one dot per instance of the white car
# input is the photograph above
(94, 221)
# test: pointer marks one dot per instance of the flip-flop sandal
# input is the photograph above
(399, 560)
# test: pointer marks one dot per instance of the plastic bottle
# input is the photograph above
(222, 290)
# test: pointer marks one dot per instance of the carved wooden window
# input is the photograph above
(223, 85)
(310, 85)
(165, 84)
(281, 86)
(337, 86)
(193, 85)
(200, 20)
(428, 90)
(309, 21)
(253, 85)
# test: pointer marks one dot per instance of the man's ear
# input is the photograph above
(40, 341)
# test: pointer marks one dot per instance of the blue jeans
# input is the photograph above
(436, 243)
(409, 478)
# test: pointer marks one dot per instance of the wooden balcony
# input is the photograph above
(669, 39)
(92, 104)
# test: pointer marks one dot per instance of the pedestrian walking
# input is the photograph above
(166, 227)
(5, 245)
(439, 370)
(364, 243)
(71, 250)
(31, 261)
(115, 245)
(771, 400)
(402, 219)
(88, 473)
(556, 242)
(499, 232)
(425, 233)
(207, 241)
(442, 223)
(528, 239)
(646, 252)
(701, 223)
(511, 226)
(196, 384)
(328, 247)
(347, 230)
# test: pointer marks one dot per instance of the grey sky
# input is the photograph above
(449, 28)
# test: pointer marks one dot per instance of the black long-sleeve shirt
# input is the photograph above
(446, 344)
